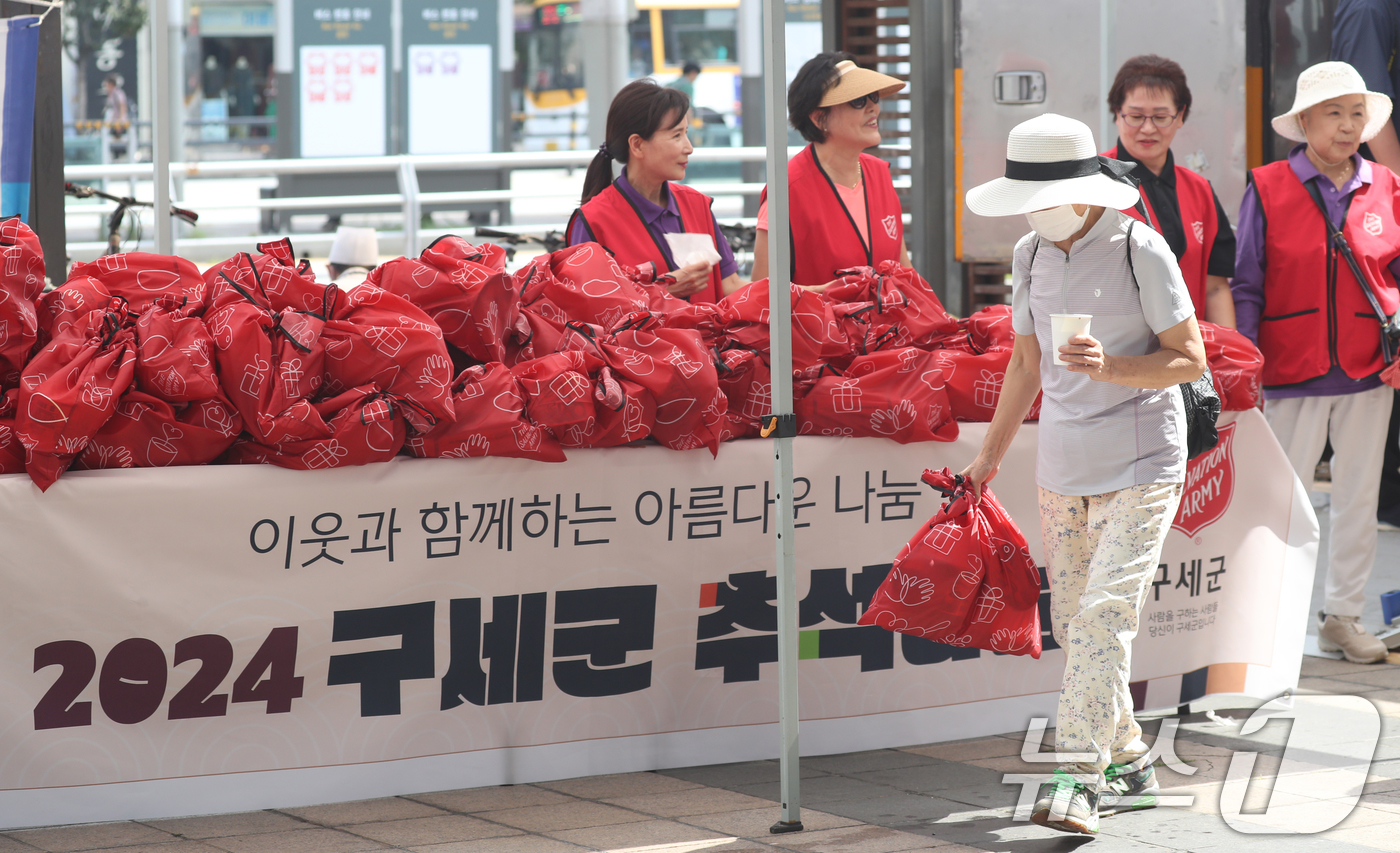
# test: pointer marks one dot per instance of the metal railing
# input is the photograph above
(410, 198)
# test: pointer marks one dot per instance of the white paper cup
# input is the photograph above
(1065, 326)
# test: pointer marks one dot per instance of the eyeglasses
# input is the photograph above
(859, 103)
(1137, 120)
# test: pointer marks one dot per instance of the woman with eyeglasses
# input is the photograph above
(1150, 101)
(842, 208)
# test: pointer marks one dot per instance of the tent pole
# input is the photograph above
(782, 425)
(160, 133)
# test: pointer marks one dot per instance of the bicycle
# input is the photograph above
(124, 203)
(550, 241)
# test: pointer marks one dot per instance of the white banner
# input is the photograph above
(189, 640)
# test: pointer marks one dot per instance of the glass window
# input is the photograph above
(554, 59)
(706, 36)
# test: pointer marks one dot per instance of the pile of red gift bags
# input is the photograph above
(138, 360)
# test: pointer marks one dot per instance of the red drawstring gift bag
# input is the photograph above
(974, 382)
(747, 383)
(581, 283)
(896, 296)
(490, 421)
(1237, 367)
(558, 389)
(966, 578)
(990, 328)
(268, 362)
(176, 412)
(464, 289)
(70, 388)
(148, 432)
(897, 394)
(657, 289)
(359, 426)
(12, 452)
(817, 335)
(21, 282)
(139, 278)
(280, 281)
(374, 337)
(673, 366)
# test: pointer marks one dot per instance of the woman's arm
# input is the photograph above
(1182, 358)
(731, 283)
(760, 254)
(1220, 302)
(1017, 394)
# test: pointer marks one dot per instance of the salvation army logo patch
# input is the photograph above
(1199, 229)
(1372, 223)
(890, 222)
(1210, 484)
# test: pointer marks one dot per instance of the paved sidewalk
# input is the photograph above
(946, 796)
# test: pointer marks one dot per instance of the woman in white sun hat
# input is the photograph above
(1297, 297)
(1111, 457)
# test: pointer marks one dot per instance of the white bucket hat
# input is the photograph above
(1323, 82)
(355, 247)
(1051, 161)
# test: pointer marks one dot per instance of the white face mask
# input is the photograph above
(1057, 223)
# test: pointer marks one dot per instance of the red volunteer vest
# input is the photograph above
(1197, 203)
(826, 230)
(1315, 314)
(616, 224)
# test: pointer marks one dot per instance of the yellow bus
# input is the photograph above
(550, 101)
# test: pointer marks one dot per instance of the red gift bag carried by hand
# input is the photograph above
(1237, 367)
(965, 579)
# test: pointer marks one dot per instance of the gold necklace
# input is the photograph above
(860, 177)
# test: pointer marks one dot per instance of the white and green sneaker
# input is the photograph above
(1066, 804)
(1128, 787)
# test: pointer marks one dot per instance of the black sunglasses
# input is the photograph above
(859, 103)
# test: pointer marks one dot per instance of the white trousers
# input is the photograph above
(1101, 554)
(1357, 425)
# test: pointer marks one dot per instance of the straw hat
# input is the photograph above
(1051, 161)
(355, 247)
(855, 81)
(1323, 82)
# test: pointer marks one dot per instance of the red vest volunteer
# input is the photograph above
(839, 227)
(1315, 314)
(1183, 208)
(633, 229)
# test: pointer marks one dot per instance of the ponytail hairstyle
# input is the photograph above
(642, 107)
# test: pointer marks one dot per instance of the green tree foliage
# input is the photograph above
(87, 24)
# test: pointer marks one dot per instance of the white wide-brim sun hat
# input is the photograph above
(1323, 82)
(1051, 161)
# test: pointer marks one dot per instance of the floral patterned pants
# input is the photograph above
(1101, 554)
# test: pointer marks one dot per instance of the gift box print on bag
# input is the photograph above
(966, 578)
(256, 351)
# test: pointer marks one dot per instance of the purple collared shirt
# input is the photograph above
(661, 220)
(1247, 287)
